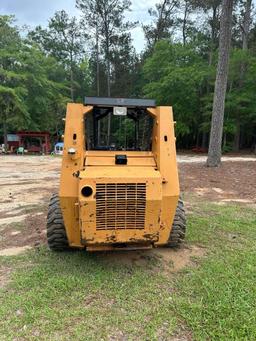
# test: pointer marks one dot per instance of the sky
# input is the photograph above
(37, 12)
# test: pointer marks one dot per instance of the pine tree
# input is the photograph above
(214, 153)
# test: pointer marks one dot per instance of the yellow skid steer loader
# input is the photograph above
(119, 186)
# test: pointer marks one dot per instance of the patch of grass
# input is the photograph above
(83, 297)
(217, 300)
(209, 220)
(18, 226)
(29, 209)
(80, 296)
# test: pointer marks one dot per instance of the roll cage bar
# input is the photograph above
(120, 102)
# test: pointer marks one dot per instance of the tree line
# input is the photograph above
(44, 68)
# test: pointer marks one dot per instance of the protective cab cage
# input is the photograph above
(119, 124)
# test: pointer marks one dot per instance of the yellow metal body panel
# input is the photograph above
(154, 172)
(123, 175)
(165, 156)
(110, 161)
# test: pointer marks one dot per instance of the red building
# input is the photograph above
(31, 141)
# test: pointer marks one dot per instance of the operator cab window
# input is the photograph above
(118, 128)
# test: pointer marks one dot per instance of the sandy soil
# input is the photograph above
(195, 158)
(172, 261)
(233, 181)
(27, 182)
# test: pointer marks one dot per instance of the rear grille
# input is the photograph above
(120, 206)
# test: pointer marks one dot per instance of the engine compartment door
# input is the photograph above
(123, 207)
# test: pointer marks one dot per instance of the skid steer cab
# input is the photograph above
(119, 186)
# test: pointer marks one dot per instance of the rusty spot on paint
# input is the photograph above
(162, 226)
(111, 238)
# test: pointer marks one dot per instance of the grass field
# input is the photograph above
(80, 296)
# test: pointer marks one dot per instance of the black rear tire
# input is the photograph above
(178, 231)
(56, 232)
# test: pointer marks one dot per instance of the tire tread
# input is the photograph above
(56, 232)
(178, 231)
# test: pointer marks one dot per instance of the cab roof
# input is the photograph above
(120, 102)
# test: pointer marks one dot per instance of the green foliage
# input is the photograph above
(113, 58)
(69, 58)
(163, 20)
(240, 111)
(64, 40)
(186, 81)
(34, 84)
(13, 109)
(179, 82)
(45, 94)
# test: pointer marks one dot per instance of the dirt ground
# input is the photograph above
(27, 182)
(231, 182)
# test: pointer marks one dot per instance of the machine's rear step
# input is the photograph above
(125, 247)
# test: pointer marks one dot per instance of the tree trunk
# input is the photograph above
(224, 140)
(71, 84)
(97, 61)
(108, 78)
(159, 25)
(108, 86)
(71, 77)
(245, 35)
(213, 33)
(214, 153)
(5, 133)
(197, 138)
(108, 63)
(210, 61)
(246, 24)
(204, 140)
(236, 143)
(185, 23)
